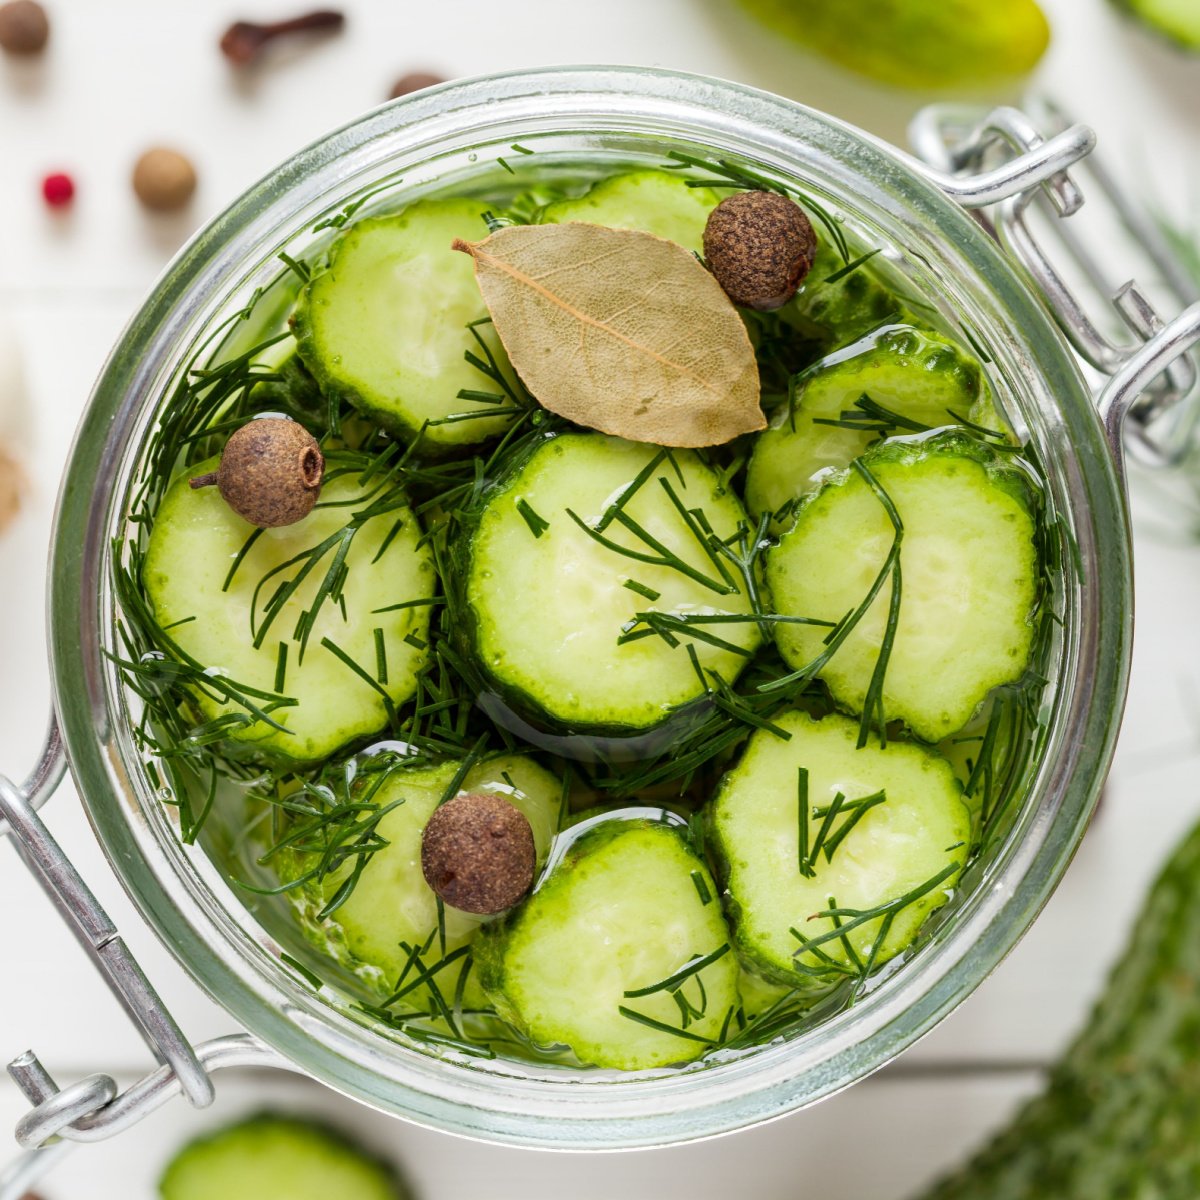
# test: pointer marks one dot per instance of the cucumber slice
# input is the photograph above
(1178, 20)
(385, 325)
(657, 202)
(969, 580)
(275, 1157)
(580, 962)
(912, 842)
(916, 375)
(193, 548)
(837, 307)
(391, 915)
(547, 603)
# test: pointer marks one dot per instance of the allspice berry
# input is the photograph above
(477, 853)
(760, 246)
(270, 472)
(24, 27)
(414, 81)
(163, 179)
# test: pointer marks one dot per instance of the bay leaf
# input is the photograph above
(620, 331)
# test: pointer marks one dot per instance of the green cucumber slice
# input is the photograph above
(912, 842)
(548, 605)
(922, 379)
(206, 607)
(387, 930)
(581, 962)
(657, 202)
(969, 581)
(271, 1156)
(385, 326)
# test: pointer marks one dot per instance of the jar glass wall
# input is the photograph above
(589, 119)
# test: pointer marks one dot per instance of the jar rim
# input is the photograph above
(497, 1104)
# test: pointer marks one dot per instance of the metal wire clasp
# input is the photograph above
(91, 1108)
(1001, 164)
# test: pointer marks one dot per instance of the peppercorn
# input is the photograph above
(163, 179)
(24, 27)
(760, 246)
(58, 189)
(270, 472)
(414, 81)
(477, 853)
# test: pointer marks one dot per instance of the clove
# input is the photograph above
(244, 41)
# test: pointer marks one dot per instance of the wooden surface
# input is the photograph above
(125, 74)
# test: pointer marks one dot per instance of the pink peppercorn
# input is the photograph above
(58, 190)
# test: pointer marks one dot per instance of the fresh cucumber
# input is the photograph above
(1177, 20)
(1120, 1115)
(213, 581)
(385, 326)
(792, 852)
(968, 578)
(622, 953)
(388, 929)
(272, 1156)
(895, 381)
(656, 202)
(590, 572)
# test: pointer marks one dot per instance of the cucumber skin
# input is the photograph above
(1120, 1115)
(307, 1135)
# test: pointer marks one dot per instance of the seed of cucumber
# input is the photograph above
(385, 325)
(657, 202)
(211, 611)
(968, 575)
(273, 1156)
(548, 604)
(614, 948)
(916, 375)
(779, 872)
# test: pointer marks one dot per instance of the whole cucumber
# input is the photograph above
(1120, 1115)
(916, 43)
(1176, 20)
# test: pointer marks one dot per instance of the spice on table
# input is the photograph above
(24, 27)
(244, 41)
(58, 189)
(414, 81)
(478, 854)
(270, 472)
(12, 485)
(760, 246)
(164, 179)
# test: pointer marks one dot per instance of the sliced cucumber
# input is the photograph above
(656, 202)
(385, 326)
(835, 306)
(908, 840)
(276, 1157)
(548, 605)
(214, 609)
(614, 948)
(919, 378)
(387, 930)
(968, 572)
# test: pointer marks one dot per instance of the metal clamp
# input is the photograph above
(92, 1109)
(1150, 373)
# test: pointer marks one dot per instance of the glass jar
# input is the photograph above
(454, 136)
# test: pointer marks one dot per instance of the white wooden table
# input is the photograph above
(128, 73)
